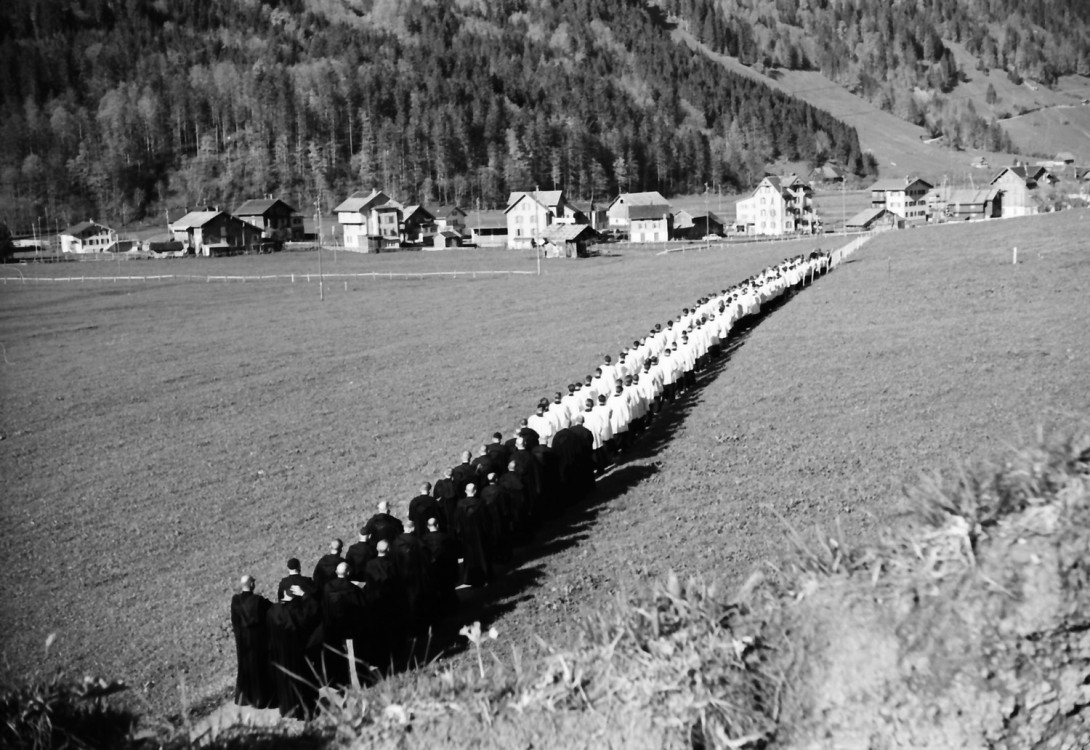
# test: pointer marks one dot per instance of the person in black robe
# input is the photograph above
(295, 578)
(342, 615)
(574, 450)
(291, 624)
(382, 526)
(384, 595)
(422, 507)
(253, 685)
(500, 523)
(515, 497)
(499, 452)
(447, 495)
(463, 473)
(483, 465)
(358, 554)
(526, 466)
(443, 554)
(326, 568)
(410, 557)
(549, 502)
(471, 526)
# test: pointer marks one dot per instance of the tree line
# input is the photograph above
(121, 109)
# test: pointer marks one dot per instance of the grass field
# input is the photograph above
(162, 437)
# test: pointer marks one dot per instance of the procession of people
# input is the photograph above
(364, 607)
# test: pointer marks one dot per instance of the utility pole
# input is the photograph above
(707, 219)
(321, 281)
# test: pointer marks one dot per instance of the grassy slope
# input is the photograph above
(162, 438)
(928, 345)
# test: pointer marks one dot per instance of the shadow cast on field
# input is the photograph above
(521, 576)
(574, 525)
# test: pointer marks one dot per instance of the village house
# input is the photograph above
(87, 237)
(695, 225)
(617, 212)
(371, 221)
(826, 174)
(652, 223)
(567, 240)
(963, 204)
(418, 225)
(528, 214)
(593, 216)
(276, 219)
(212, 233)
(1018, 186)
(487, 228)
(778, 206)
(904, 197)
(874, 220)
(450, 217)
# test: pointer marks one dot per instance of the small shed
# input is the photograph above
(567, 240)
(445, 238)
(873, 220)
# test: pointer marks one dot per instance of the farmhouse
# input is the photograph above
(487, 228)
(87, 237)
(371, 221)
(567, 240)
(694, 225)
(826, 174)
(617, 212)
(1018, 186)
(211, 233)
(779, 205)
(903, 197)
(417, 225)
(873, 220)
(963, 204)
(276, 219)
(528, 214)
(653, 223)
(450, 217)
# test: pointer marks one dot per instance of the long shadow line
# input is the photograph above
(514, 586)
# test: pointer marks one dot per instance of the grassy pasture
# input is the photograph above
(160, 438)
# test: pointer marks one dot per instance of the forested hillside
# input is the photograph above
(893, 53)
(122, 109)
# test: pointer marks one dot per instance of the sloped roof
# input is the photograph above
(195, 219)
(649, 198)
(410, 211)
(893, 184)
(567, 232)
(865, 217)
(651, 211)
(486, 219)
(962, 196)
(358, 202)
(446, 211)
(549, 199)
(259, 206)
(83, 229)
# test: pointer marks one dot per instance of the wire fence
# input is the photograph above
(292, 277)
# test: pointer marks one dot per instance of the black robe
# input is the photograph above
(326, 569)
(471, 526)
(463, 474)
(423, 507)
(342, 618)
(500, 455)
(385, 598)
(253, 686)
(575, 464)
(447, 494)
(549, 498)
(291, 625)
(443, 553)
(295, 579)
(356, 557)
(383, 527)
(411, 560)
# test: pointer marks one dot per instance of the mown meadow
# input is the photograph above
(162, 437)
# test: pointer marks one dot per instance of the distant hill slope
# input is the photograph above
(111, 113)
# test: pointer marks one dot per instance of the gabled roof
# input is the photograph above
(963, 196)
(446, 211)
(411, 212)
(1027, 175)
(567, 232)
(549, 199)
(865, 217)
(650, 198)
(260, 206)
(195, 219)
(652, 211)
(896, 184)
(84, 229)
(359, 202)
(486, 220)
(829, 172)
